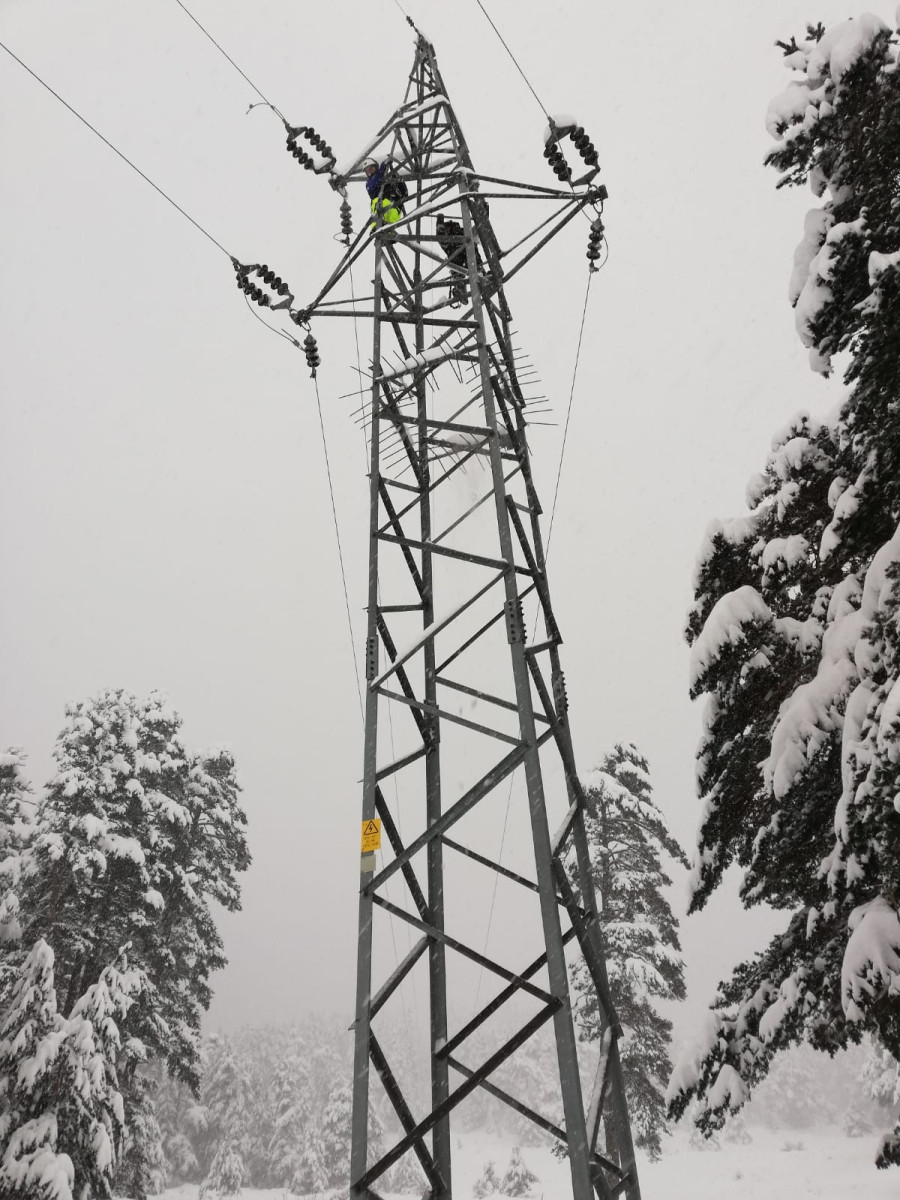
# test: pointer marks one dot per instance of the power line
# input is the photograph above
(337, 534)
(562, 453)
(513, 57)
(115, 149)
(228, 56)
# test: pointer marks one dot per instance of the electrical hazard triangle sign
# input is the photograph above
(371, 835)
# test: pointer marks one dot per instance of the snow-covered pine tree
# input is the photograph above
(61, 1120)
(487, 1183)
(135, 830)
(333, 1141)
(30, 1028)
(334, 1137)
(182, 1123)
(291, 1121)
(226, 1099)
(132, 841)
(627, 839)
(794, 629)
(310, 1177)
(519, 1179)
(142, 1169)
(15, 830)
(226, 1175)
(880, 1077)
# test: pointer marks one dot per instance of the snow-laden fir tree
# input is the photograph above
(142, 1168)
(487, 1183)
(628, 839)
(226, 1098)
(310, 1177)
(182, 1124)
(291, 1120)
(226, 1175)
(333, 1140)
(794, 631)
(334, 1137)
(15, 823)
(519, 1179)
(880, 1077)
(133, 841)
(61, 1112)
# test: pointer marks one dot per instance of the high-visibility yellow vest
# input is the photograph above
(390, 214)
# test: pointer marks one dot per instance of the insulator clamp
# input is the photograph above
(249, 279)
(515, 621)
(311, 350)
(346, 221)
(582, 144)
(371, 657)
(595, 241)
(325, 159)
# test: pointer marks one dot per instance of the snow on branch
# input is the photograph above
(727, 625)
(871, 966)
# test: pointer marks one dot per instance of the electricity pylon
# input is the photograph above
(448, 574)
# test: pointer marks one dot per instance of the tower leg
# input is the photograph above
(567, 1055)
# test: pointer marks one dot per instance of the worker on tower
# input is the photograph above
(451, 240)
(386, 189)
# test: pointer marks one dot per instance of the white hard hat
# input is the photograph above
(370, 162)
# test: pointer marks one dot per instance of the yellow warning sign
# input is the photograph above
(371, 835)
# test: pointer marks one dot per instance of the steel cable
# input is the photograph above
(115, 150)
(243, 74)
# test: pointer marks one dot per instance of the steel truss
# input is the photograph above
(455, 570)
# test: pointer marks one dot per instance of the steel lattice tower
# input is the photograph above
(447, 401)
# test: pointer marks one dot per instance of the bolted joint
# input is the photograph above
(560, 698)
(371, 657)
(515, 621)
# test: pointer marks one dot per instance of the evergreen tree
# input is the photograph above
(226, 1175)
(226, 1100)
(487, 1183)
(310, 1177)
(291, 1125)
(61, 1120)
(519, 1179)
(334, 1137)
(627, 837)
(794, 629)
(880, 1075)
(132, 841)
(142, 1170)
(182, 1123)
(15, 830)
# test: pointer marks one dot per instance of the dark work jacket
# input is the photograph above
(394, 189)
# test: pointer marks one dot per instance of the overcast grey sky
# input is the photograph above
(164, 515)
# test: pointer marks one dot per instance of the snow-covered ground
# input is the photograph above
(824, 1163)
